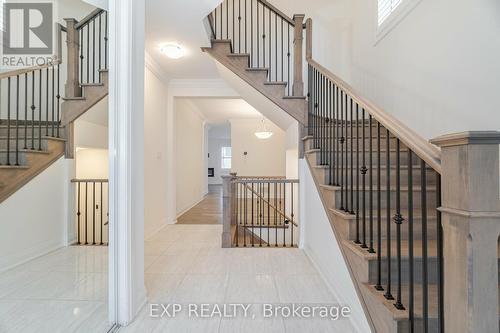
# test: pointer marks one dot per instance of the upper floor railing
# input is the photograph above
(272, 39)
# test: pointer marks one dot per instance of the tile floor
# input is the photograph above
(185, 264)
(64, 291)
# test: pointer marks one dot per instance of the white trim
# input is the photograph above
(191, 205)
(393, 19)
(126, 175)
(155, 68)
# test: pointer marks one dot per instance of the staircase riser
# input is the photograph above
(432, 272)
(326, 156)
(431, 200)
(417, 229)
(21, 158)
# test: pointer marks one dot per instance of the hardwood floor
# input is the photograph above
(208, 211)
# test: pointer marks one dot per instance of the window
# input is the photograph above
(226, 158)
(385, 8)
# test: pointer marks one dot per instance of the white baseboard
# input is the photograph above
(29, 255)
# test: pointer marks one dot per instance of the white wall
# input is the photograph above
(34, 218)
(321, 246)
(92, 164)
(264, 157)
(189, 156)
(90, 135)
(155, 141)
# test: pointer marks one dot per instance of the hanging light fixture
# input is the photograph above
(264, 133)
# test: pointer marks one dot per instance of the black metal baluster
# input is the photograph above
(86, 212)
(276, 211)
(411, 286)
(239, 26)
(378, 286)
(346, 167)
(398, 219)
(352, 158)
(58, 97)
(46, 101)
(106, 40)
(440, 255)
(288, 57)
(331, 128)
(261, 215)
(246, 25)
(425, 294)
(8, 120)
(253, 213)
(33, 110)
(245, 202)
(25, 110)
(264, 35)
(101, 194)
(93, 213)
(40, 111)
(52, 100)
(276, 46)
(78, 213)
(99, 44)
(291, 215)
(282, 53)
(268, 213)
(337, 136)
(342, 141)
(370, 179)
(93, 50)
(388, 294)
(81, 53)
(257, 36)
(88, 53)
(363, 171)
(17, 120)
(284, 214)
(358, 172)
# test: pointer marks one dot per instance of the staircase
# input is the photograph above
(379, 182)
(36, 122)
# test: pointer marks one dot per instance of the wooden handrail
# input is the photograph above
(421, 147)
(88, 18)
(28, 69)
(278, 12)
(89, 180)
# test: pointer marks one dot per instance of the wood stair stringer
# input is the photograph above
(220, 51)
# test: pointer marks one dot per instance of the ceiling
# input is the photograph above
(181, 22)
(217, 110)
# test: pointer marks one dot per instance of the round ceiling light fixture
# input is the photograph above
(172, 50)
(264, 133)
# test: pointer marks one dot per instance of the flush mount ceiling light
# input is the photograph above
(264, 133)
(172, 50)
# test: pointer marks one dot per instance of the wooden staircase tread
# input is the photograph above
(237, 55)
(294, 97)
(417, 248)
(32, 151)
(78, 98)
(307, 137)
(330, 187)
(383, 214)
(14, 167)
(97, 84)
(275, 83)
(257, 69)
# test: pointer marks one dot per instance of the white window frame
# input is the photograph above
(394, 18)
(223, 157)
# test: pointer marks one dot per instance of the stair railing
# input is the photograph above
(30, 104)
(260, 211)
(271, 38)
(379, 166)
(92, 211)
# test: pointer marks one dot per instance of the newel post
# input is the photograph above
(72, 86)
(471, 226)
(298, 82)
(228, 208)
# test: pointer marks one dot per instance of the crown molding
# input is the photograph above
(155, 68)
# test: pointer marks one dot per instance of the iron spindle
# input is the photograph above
(17, 121)
(342, 141)
(25, 110)
(440, 255)
(352, 159)
(46, 102)
(93, 50)
(40, 111)
(52, 100)
(101, 192)
(8, 120)
(363, 170)
(346, 168)
(86, 212)
(370, 180)
(33, 110)
(78, 213)
(378, 286)
(93, 213)
(268, 212)
(358, 171)
(388, 294)
(398, 219)
(425, 295)
(411, 287)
